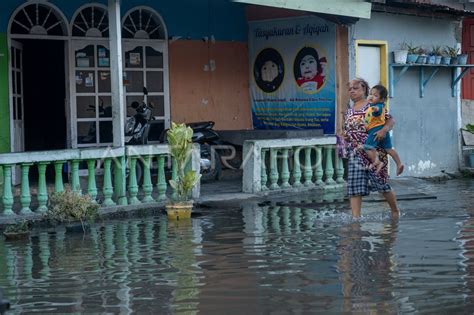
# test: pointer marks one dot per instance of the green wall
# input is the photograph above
(4, 101)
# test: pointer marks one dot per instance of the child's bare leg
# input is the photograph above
(397, 160)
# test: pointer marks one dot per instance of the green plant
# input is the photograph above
(469, 128)
(20, 227)
(403, 46)
(421, 51)
(181, 146)
(68, 206)
(412, 49)
(436, 50)
(451, 51)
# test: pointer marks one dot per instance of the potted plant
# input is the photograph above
(462, 59)
(181, 146)
(412, 53)
(452, 52)
(17, 231)
(470, 129)
(422, 55)
(400, 56)
(436, 53)
(70, 208)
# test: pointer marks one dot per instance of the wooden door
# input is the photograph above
(468, 48)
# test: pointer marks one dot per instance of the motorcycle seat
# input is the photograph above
(201, 125)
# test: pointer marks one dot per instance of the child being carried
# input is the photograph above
(374, 121)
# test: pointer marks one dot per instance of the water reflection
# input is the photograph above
(293, 256)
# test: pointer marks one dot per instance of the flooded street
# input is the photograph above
(272, 258)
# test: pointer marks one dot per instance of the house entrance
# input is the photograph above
(44, 93)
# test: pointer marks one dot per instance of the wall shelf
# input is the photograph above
(425, 77)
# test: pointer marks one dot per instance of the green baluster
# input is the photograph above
(91, 185)
(174, 175)
(285, 174)
(58, 176)
(147, 186)
(275, 219)
(263, 171)
(108, 189)
(161, 184)
(7, 190)
(25, 197)
(119, 181)
(296, 168)
(319, 166)
(339, 170)
(273, 169)
(76, 184)
(132, 182)
(42, 189)
(308, 171)
(285, 211)
(329, 171)
(297, 218)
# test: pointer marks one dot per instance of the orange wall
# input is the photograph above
(220, 94)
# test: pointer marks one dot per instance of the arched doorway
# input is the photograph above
(91, 100)
(145, 48)
(38, 36)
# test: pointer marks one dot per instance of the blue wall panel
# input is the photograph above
(191, 19)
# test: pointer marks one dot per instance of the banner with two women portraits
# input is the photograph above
(292, 68)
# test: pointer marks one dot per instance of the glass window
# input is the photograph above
(104, 81)
(85, 82)
(86, 132)
(19, 110)
(105, 106)
(103, 56)
(158, 102)
(85, 57)
(14, 108)
(134, 81)
(130, 99)
(85, 106)
(134, 58)
(14, 81)
(105, 132)
(154, 59)
(18, 81)
(18, 58)
(154, 81)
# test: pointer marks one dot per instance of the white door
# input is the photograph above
(16, 98)
(368, 64)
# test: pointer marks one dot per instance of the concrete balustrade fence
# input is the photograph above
(119, 185)
(291, 164)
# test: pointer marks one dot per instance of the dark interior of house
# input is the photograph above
(44, 89)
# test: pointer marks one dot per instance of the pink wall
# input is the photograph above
(220, 94)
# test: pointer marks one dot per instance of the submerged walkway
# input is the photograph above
(228, 191)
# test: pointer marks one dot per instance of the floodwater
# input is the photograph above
(294, 257)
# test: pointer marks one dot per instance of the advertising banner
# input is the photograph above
(292, 69)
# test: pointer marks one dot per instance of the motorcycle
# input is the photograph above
(208, 139)
(137, 127)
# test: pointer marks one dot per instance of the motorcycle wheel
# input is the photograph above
(214, 172)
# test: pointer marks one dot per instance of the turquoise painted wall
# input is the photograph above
(191, 19)
(4, 102)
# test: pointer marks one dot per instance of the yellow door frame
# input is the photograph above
(383, 45)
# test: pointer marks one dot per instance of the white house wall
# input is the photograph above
(426, 130)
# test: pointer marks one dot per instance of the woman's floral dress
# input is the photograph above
(362, 179)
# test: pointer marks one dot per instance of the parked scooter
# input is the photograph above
(137, 127)
(208, 139)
